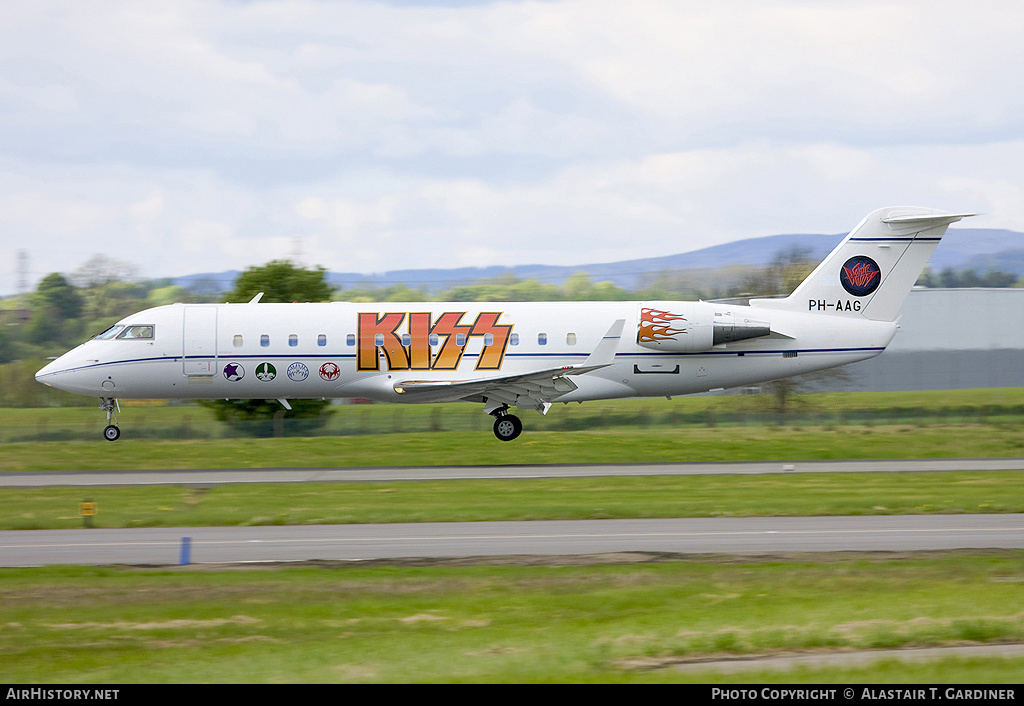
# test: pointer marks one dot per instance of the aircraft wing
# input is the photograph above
(535, 389)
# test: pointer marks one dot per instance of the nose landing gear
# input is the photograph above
(111, 432)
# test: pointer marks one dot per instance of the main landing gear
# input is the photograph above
(506, 426)
(111, 432)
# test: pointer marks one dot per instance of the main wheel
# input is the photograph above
(507, 427)
(111, 433)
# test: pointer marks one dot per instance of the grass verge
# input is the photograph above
(535, 499)
(352, 623)
(620, 445)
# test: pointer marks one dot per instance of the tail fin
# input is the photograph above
(873, 269)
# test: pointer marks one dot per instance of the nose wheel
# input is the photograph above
(110, 405)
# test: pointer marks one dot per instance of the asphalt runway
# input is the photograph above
(211, 477)
(757, 535)
(162, 546)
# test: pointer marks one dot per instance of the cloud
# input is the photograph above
(208, 134)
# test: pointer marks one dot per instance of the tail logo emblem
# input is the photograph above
(860, 276)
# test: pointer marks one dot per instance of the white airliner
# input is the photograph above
(501, 355)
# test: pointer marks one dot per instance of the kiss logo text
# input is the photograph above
(415, 341)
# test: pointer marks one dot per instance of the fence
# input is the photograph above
(193, 423)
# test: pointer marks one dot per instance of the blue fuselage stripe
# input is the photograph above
(637, 354)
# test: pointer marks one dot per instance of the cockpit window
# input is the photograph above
(110, 332)
(137, 332)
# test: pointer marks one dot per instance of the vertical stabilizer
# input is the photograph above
(872, 270)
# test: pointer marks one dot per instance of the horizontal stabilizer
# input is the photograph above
(912, 223)
(928, 221)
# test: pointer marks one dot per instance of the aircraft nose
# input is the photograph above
(47, 370)
(61, 373)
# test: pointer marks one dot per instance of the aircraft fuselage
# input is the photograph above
(340, 349)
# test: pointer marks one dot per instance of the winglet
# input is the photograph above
(604, 354)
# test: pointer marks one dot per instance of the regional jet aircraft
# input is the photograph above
(502, 355)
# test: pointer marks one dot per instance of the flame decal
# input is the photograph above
(656, 325)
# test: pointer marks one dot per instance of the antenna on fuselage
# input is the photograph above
(256, 299)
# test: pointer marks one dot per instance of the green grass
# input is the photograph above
(535, 499)
(503, 623)
(616, 445)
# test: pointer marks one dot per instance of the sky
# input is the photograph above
(208, 135)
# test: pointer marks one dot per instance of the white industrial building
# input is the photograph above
(950, 339)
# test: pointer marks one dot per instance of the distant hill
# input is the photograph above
(1005, 261)
(963, 248)
(981, 249)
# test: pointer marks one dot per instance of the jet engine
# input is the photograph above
(687, 327)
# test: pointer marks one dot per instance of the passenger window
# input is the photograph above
(293, 340)
(570, 339)
(264, 340)
(237, 341)
(542, 339)
(488, 339)
(406, 339)
(378, 339)
(460, 339)
(514, 339)
(349, 339)
(432, 339)
(321, 340)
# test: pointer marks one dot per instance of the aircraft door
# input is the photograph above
(199, 345)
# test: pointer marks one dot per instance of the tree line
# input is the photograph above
(64, 310)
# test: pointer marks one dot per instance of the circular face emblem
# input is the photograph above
(266, 372)
(298, 372)
(860, 276)
(234, 372)
(330, 371)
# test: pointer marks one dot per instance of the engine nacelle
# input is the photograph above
(688, 327)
